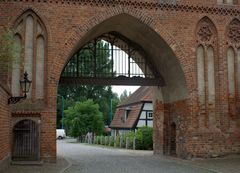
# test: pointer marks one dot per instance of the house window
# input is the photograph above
(149, 115)
(146, 119)
(127, 114)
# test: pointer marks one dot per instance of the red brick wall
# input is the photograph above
(193, 141)
(5, 120)
(67, 24)
(48, 136)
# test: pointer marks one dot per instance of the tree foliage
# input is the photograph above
(124, 96)
(9, 50)
(101, 95)
(84, 117)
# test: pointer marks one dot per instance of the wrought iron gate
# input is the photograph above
(25, 141)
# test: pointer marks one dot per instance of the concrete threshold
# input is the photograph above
(25, 163)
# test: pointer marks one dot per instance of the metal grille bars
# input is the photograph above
(110, 59)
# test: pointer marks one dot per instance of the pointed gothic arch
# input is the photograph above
(233, 65)
(206, 31)
(31, 32)
(206, 70)
(154, 45)
(160, 52)
(233, 33)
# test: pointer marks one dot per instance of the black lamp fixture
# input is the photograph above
(25, 85)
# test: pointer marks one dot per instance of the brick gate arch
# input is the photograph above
(172, 41)
(81, 35)
(166, 54)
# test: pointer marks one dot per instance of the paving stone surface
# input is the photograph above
(82, 158)
(229, 164)
(96, 159)
(45, 168)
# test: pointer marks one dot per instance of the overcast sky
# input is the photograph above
(120, 59)
(119, 89)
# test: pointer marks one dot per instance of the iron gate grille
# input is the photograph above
(25, 141)
(111, 59)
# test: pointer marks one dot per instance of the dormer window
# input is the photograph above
(127, 111)
(126, 114)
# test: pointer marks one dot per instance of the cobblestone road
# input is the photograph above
(95, 159)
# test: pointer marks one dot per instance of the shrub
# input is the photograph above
(98, 139)
(130, 136)
(139, 139)
(118, 141)
(147, 138)
(112, 141)
(143, 138)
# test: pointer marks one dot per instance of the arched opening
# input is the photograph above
(154, 46)
(173, 145)
(114, 59)
(26, 141)
(159, 58)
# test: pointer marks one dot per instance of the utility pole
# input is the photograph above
(62, 99)
(110, 112)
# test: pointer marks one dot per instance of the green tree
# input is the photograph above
(84, 117)
(9, 51)
(99, 94)
(124, 96)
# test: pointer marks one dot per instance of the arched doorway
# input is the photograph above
(163, 61)
(173, 139)
(25, 141)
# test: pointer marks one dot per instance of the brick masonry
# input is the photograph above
(70, 24)
(5, 120)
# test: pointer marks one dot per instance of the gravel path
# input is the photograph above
(95, 159)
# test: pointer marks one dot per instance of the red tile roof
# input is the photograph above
(135, 103)
(142, 94)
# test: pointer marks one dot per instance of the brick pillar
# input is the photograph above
(158, 127)
(48, 137)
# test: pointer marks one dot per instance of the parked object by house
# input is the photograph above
(60, 133)
(136, 111)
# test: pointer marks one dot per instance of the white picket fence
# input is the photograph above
(128, 143)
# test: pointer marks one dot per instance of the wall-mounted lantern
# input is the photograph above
(25, 85)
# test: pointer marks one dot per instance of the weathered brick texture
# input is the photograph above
(168, 34)
(5, 120)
